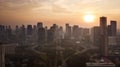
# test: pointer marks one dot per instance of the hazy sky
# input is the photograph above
(14, 12)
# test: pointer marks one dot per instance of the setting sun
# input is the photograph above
(89, 18)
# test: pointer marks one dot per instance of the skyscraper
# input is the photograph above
(61, 32)
(68, 32)
(22, 35)
(35, 33)
(50, 35)
(103, 34)
(29, 29)
(103, 25)
(95, 36)
(39, 25)
(17, 31)
(41, 35)
(2, 33)
(75, 31)
(109, 30)
(55, 31)
(113, 28)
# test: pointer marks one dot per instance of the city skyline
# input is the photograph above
(57, 47)
(59, 12)
(63, 26)
(59, 33)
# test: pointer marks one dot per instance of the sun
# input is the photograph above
(89, 18)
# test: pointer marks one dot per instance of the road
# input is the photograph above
(61, 49)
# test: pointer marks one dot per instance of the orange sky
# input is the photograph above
(15, 12)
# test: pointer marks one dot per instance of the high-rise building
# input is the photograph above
(23, 29)
(29, 29)
(68, 32)
(85, 31)
(2, 33)
(56, 32)
(46, 31)
(61, 33)
(75, 31)
(17, 31)
(95, 36)
(113, 28)
(34, 33)
(103, 25)
(22, 35)
(109, 30)
(104, 37)
(41, 35)
(9, 33)
(39, 25)
(50, 35)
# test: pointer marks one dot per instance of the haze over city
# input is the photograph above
(59, 33)
(14, 12)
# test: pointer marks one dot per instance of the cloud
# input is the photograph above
(59, 9)
(52, 6)
(16, 5)
(58, 6)
(89, 1)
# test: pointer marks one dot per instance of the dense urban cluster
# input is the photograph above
(74, 46)
(38, 33)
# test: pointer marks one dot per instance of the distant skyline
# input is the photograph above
(15, 12)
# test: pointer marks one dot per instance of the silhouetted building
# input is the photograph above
(68, 32)
(53, 34)
(103, 39)
(17, 33)
(9, 33)
(41, 35)
(113, 28)
(31, 35)
(56, 33)
(109, 31)
(75, 31)
(16, 29)
(23, 29)
(95, 36)
(85, 31)
(29, 29)
(35, 34)
(2, 33)
(22, 36)
(39, 25)
(46, 31)
(55, 26)
(50, 35)
(61, 33)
